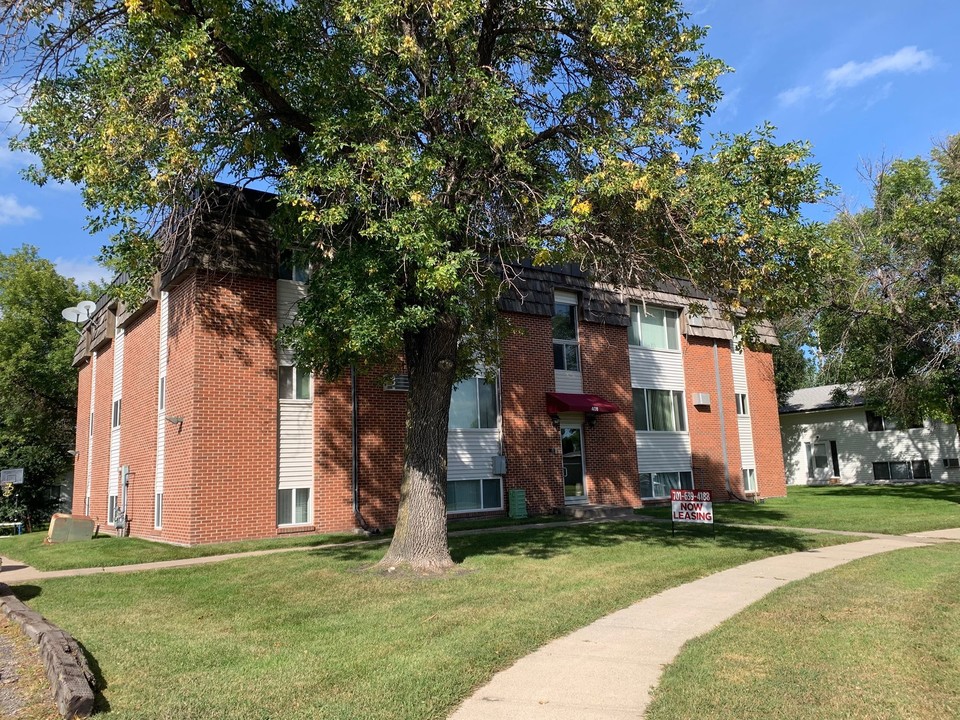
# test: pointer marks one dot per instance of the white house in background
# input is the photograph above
(826, 442)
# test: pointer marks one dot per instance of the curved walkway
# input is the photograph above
(607, 670)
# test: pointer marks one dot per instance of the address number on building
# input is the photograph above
(692, 506)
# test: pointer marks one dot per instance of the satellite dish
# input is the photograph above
(87, 307)
(72, 314)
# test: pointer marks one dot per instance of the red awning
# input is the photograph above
(574, 402)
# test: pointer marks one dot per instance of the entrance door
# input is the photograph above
(574, 482)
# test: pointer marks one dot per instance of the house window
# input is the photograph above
(875, 423)
(742, 407)
(659, 410)
(294, 383)
(91, 426)
(293, 506)
(654, 327)
(951, 463)
(474, 495)
(566, 348)
(658, 485)
(161, 397)
(902, 470)
(158, 511)
(473, 404)
(115, 422)
(750, 480)
(112, 510)
(289, 270)
(86, 505)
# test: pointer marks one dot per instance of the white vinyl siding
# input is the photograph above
(858, 448)
(289, 294)
(567, 381)
(748, 459)
(663, 452)
(471, 483)
(470, 453)
(296, 444)
(163, 307)
(656, 369)
(93, 396)
(113, 481)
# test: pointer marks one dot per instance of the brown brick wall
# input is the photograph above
(768, 448)
(84, 379)
(610, 449)
(100, 471)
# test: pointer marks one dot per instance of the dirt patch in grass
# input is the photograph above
(24, 691)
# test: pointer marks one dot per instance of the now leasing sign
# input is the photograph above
(693, 506)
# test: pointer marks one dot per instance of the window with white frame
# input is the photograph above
(473, 404)
(291, 268)
(112, 510)
(91, 425)
(742, 407)
(654, 327)
(293, 506)
(658, 485)
(86, 505)
(294, 383)
(158, 511)
(115, 421)
(162, 393)
(876, 423)
(566, 346)
(951, 463)
(474, 495)
(659, 410)
(750, 480)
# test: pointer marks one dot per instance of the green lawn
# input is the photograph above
(894, 509)
(309, 635)
(876, 639)
(107, 550)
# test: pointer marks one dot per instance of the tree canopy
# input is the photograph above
(37, 381)
(419, 150)
(893, 320)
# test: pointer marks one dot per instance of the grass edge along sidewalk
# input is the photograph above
(816, 648)
(303, 635)
(889, 509)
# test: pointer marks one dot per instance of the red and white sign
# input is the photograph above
(694, 506)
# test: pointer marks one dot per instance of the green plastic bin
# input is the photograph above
(517, 503)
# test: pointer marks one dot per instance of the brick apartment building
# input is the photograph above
(195, 427)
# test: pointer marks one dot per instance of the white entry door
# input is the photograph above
(574, 478)
(821, 463)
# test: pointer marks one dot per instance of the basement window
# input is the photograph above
(655, 486)
(293, 506)
(474, 495)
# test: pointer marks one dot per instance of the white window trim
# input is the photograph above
(116, 413)
(683, 409)
(749, 472)
(112, 511)
(496, 400)
(296, 376)
(745, 404)
(293, 505)
(693, 482)
(480, 509)
(640, 345)
(158, 511)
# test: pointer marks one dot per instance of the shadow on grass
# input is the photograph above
(946, 492)
(100, 703)
(25, 593)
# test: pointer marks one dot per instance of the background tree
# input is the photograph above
(893, 320)
(418, 150)
(794, 366)
(38, 384)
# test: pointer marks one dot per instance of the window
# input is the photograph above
(742, 407)
(289, 270)
(951, 463)
(657, 328)
(902, 470)
(659, 410)
(161, 398)
(158, 511)
(91, 429)
(474, 495)
(749, 480)
(566, 348)
(473, 404)
(115, 422)
(875, 422)
(293, 506)
(86, 505)
(294, 383)
(112, 510)
(658, 485)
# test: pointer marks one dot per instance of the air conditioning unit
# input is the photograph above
(694, 321)
(701, 399)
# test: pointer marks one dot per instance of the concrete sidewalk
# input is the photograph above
(607, 670)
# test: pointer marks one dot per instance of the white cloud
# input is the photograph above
(82, 270)
(12, 212)
(793, 96)
(904, 60)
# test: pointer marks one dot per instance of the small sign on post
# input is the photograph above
(11, 476)
(691, 506)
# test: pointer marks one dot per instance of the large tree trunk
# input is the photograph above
(420, 538)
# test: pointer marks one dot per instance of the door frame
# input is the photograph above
(574, 425)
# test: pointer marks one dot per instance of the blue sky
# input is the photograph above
(861, 80)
